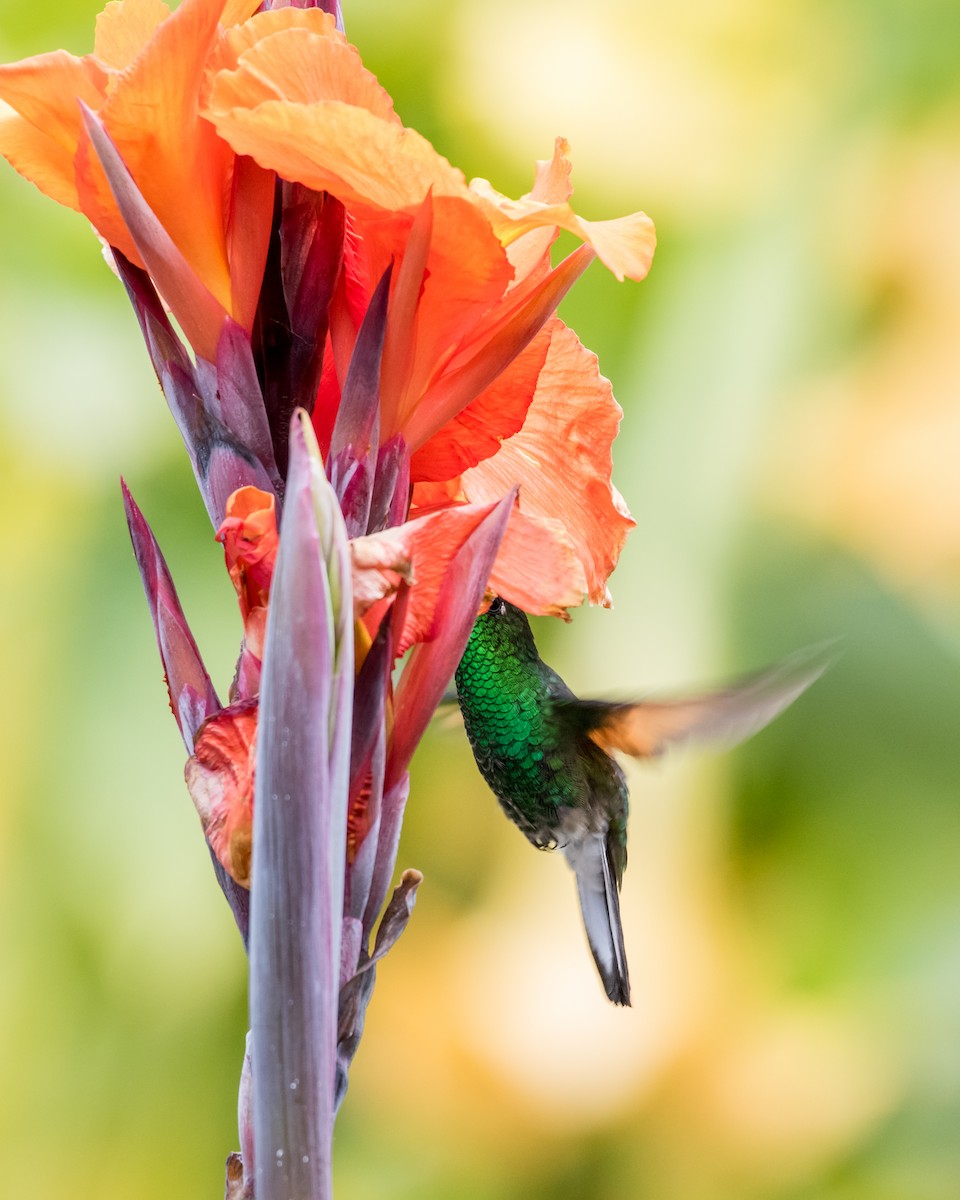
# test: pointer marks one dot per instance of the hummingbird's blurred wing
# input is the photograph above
(729, 715)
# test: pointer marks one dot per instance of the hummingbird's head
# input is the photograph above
(506, 626)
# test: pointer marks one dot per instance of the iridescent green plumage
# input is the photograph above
(545, 754)
(516, 712)
(553, 781)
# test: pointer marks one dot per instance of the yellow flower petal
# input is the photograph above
(625, 245)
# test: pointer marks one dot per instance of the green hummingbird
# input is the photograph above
(547, 756)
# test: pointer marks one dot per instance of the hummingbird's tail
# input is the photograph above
(590, 858)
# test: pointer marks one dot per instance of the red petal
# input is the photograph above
(477, 432)
(219, 777)
(419, 552)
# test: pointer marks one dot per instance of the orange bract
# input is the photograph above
(250, 541)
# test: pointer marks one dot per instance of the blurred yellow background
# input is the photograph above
(790, 374)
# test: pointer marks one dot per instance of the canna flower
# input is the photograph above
(471, 352)
(387, 422)
(478, 379)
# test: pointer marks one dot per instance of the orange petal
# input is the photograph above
(562, 460)
(399, 341)
(481, 362)
(466, 276)
(235, 11)
(38, 158)
(219, 777)
(124, 28)
(250, 540)
(301, 102)
(457, 276)
(477, 432)
(551, 184)
(334, 147)
(40, 136)
(530, 252)
(537, 566)
(295, 55)
(171, 152)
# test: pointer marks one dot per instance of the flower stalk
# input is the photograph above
(299, 832)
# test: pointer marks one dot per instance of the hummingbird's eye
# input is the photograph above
(497, 607)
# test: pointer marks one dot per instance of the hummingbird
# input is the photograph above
(548, 756)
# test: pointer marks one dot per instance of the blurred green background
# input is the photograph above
(790, 374)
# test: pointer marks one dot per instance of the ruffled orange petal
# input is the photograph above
(319, 64)
(124, 28)
(538, 567)
(40, 136)
(237, 11)
(301, 103)
(562, 460)
(333, 147)
(250, 541)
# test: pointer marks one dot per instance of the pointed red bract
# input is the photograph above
(192, 698)
(432, 662)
